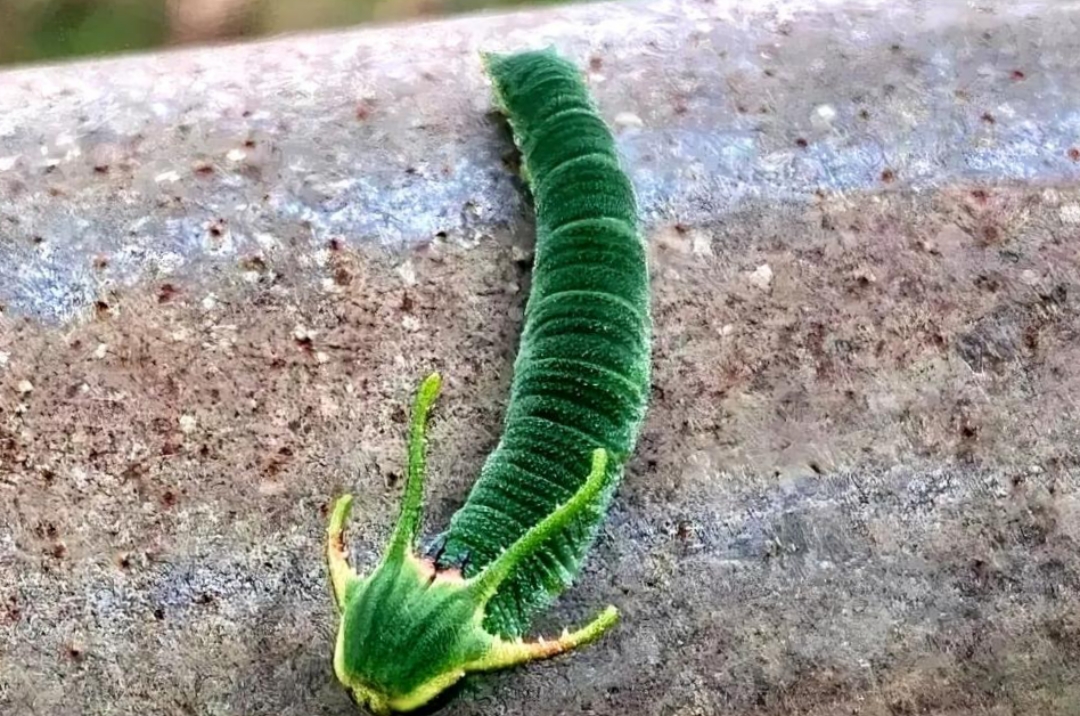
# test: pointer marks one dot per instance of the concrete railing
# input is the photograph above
(223, 270)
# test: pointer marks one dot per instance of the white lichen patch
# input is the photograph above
(188, 423)
(761, 277)
(407, 272)
(266, 241)
(303, 333)
(1070, 214)
(701, 243)
(823, 116)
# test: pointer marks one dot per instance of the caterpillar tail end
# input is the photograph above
(505, 654)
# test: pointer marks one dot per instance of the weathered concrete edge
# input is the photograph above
(113, 170)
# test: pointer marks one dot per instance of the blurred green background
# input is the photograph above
(41, 30)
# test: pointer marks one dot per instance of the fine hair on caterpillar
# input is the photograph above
(415, 625)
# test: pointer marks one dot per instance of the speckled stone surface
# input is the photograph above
(223, 271)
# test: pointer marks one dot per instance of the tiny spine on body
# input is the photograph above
(416, 625)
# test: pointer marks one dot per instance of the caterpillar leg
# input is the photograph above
(435, 547)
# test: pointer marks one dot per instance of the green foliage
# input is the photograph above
(64, 28)
(51, 29)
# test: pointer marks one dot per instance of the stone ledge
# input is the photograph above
(224, 270)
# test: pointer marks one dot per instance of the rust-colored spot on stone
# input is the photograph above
(364, 110)
(990, 235)
(167, 292)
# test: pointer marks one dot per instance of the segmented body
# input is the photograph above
(581, 377)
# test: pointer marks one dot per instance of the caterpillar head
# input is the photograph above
(408, 632)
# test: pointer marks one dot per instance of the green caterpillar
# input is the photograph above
(416, 625)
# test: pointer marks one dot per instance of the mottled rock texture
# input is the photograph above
(223, 272)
